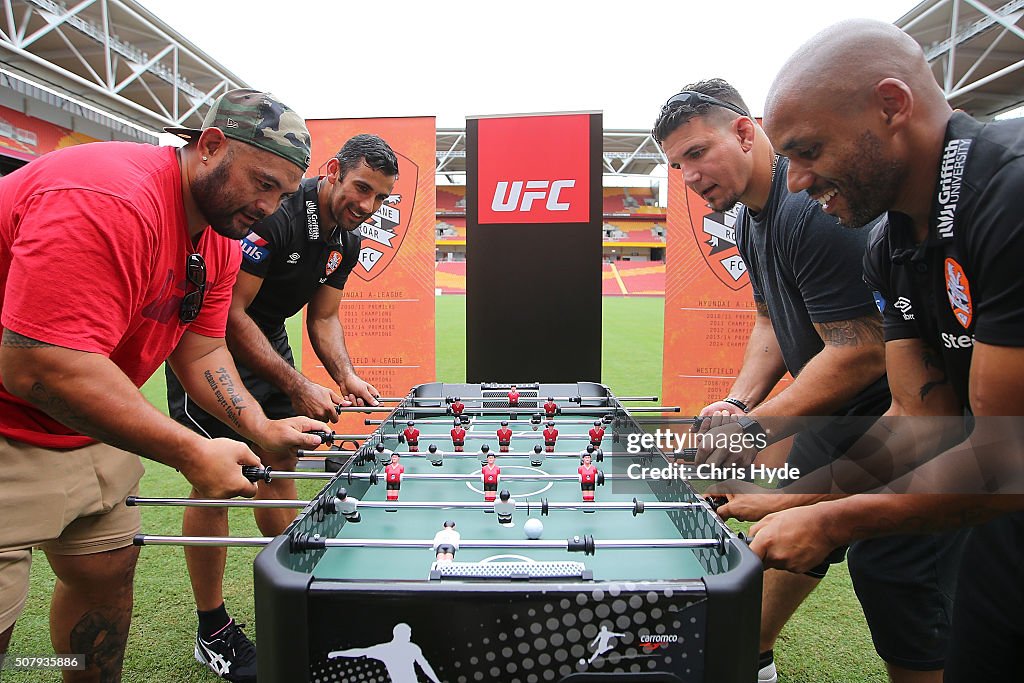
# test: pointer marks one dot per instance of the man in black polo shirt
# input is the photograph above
(302, 254)
(816, 318)
(867, 129)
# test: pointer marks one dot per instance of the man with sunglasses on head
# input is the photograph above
(817, 319)
(947, 259)
(113, 258)
(301, 255)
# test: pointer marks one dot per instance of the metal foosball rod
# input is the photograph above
(585, 544)
(686, 453)
(411, 410)
(269, 474)
(543, 505)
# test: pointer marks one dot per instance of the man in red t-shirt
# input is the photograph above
(550, 436)
(107, 269)
(504, 435)
(412, 436)
(458, 436)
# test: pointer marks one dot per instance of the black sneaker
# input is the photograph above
(229, 654)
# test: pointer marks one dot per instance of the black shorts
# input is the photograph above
(394, 485)
(587, 487)
(275, 403)
(445, 549)
(906, 585)
(988, 631)
(459, 444)
(490, 486)
(549, 443)
(505, 444)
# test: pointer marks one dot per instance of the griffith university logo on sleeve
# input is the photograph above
(254, 248)
(518, 185)
(384, 231)
(958, 289)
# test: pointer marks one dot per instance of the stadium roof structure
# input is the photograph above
(976, 50)
(112, 56)
(626, 152)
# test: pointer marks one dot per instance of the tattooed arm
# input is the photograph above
(853, 358)
(207, 372)
(88, 393)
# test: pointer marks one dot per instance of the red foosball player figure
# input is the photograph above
(550, 436)
(457, 407)
(588, 479)
(412, 436)
(596, 434)
(504, 437)
(550, 408)
(513, 396)
(490, 473)
(458, 436)
(393, 476)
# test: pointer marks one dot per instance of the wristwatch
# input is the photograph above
(751, 426)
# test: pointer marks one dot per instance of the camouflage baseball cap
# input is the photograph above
(259, 119)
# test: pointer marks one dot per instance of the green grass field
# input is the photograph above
(827, 641)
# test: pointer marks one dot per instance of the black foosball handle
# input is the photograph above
(255, 474)
(325, 437)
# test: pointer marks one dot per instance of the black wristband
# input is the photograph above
(736, 402)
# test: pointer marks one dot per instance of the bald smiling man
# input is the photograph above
(868, 131)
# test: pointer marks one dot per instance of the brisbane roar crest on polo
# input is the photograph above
(384, 231)
(519, 186)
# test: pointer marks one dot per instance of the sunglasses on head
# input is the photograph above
(192, 302)
(694, 99)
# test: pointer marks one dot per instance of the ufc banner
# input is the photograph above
(709, 307)
(391, 290)
(533, 246)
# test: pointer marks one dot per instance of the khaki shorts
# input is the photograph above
(62, 502)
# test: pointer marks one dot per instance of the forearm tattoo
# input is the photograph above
(862, 331)
(59, 409)
(933, 362)
(222, 382)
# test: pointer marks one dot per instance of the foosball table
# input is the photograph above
(642, 583)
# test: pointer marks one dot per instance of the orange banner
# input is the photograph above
(387, 308)
(26, 137)
(709, 308)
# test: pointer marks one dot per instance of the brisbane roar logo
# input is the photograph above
(715, 234)
(384, 232)
(958, 289)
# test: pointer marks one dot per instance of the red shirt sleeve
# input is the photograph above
(65, 257)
